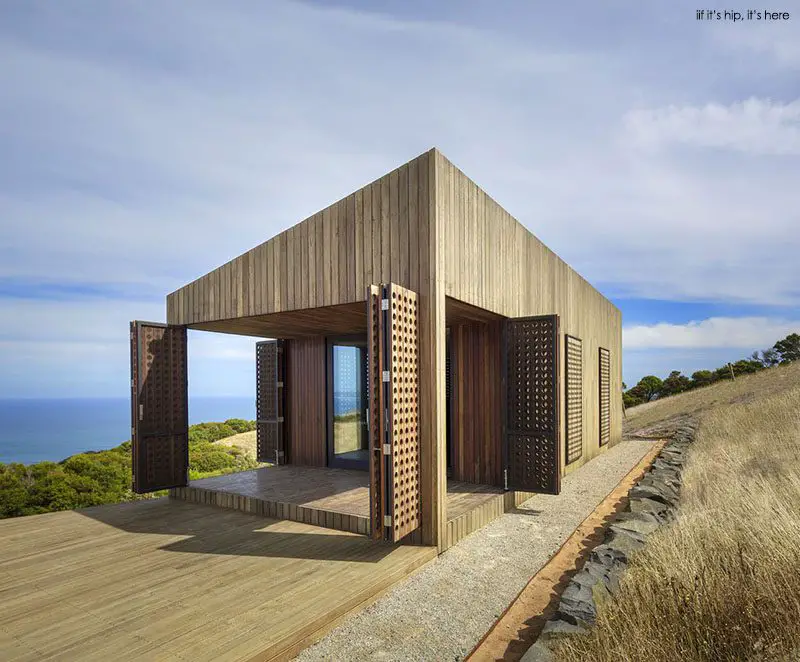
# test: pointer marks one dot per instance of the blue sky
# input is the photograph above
(143, 144)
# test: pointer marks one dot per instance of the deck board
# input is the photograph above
(338, 490)
(166, 579)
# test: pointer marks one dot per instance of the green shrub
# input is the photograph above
(89, 479)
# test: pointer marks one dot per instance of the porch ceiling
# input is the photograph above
(328, 320)
(458, 312)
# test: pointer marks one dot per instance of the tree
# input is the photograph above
(675, 383)
(745, 366)
(789, 348)
(768, 357)
(702, 378)
(649, 387)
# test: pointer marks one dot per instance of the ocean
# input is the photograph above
(39, 430)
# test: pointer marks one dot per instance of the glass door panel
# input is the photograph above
(349, 445)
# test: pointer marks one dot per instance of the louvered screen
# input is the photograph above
(573, 402)
(403, 406)
(270, 401)
(159, 406)
(533, 453)
(605, 396)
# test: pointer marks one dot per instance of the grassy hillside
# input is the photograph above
(721, 583)
(91, 479)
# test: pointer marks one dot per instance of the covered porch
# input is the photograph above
(337, 498)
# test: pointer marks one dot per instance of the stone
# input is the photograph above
(557, 627)
(640, 526)
(652, 507)
(539, 652)
(650, 492)
(579, 609)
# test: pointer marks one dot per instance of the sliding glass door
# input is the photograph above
(348, 416)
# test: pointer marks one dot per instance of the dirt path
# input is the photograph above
(444, 610)
(522, 623)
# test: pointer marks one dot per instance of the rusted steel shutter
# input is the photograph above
(605, 396)
(159, 406)
(573, 402)
(377, 469)
(401, 360)
(531, 411)
(270, 442)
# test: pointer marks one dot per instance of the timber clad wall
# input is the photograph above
(379, 234)
(427, 227)
(493, 262)
(305, 401)
(477, 426)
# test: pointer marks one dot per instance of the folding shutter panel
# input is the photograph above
(377, 474)
(532, 448)
(605, 396)
(159, 407)
(270, 401)
(401, 361)
(573, 401)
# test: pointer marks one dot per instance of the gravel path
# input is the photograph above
(441, 612)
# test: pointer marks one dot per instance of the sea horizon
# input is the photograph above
(55, 428)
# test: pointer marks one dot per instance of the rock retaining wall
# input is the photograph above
(652, 502)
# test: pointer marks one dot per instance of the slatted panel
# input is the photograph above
(476, 425)
(376, 471)
(605, 396)
(573, 402)
(269, 401)
(305, 396)
(531, 412)
(159, 407)
(403, 408)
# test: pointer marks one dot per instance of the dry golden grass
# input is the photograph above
(723, 581)
(244, 440)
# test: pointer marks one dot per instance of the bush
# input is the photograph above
(240, 425)
(90, 479)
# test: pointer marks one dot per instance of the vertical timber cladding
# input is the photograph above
(377, 474)
(531, 412)
(400, 381)
(270, 435)
(573, 402)
(159, 406)
(605, 396)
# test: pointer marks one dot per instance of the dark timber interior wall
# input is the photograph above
(476, 414)
(305, 401)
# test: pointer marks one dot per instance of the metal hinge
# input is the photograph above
(384, 304)
(279, 384)
(505, 479)
(131, 383)
(387, 449)
(387, 520)
(386, 376)
(141, 412)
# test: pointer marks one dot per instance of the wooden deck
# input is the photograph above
(169, 580)
(338, 498)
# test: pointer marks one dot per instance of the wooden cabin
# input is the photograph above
(426, 364)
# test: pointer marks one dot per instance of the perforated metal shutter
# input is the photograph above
(532, 448)
(605, 396)
(573, 402)
(159, 406)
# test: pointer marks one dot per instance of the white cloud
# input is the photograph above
(749, 333)
(143, 146)
(757, 126)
